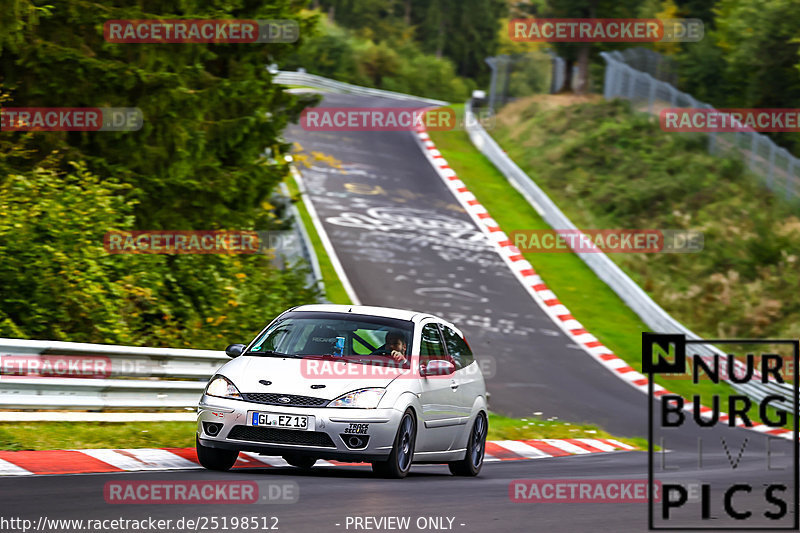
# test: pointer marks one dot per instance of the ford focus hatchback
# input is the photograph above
(349, 383)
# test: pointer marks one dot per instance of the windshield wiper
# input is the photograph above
(331, 357)
(271, 353)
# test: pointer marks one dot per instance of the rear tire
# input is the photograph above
(300, 461)
(476, 447)
(215, 458)
(399, 463)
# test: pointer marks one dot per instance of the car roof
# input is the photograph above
(387, 312)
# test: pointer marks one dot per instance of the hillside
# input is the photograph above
(609, 168)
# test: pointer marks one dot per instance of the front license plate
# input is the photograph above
(280, 421)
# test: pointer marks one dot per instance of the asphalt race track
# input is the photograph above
(405, 242)
(328, 496)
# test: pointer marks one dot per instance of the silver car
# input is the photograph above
(348, 383)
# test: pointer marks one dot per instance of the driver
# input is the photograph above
(395, 346)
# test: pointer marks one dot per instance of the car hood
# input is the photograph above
(294, 376)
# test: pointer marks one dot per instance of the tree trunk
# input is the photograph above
(407, 16)
(440, 40)
(332, 13)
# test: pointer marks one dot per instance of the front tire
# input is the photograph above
(215, 458)
(399, 463)
(476, 447)
(300, 461)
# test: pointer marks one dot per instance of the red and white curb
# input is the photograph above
(28, 463)
(545, 298)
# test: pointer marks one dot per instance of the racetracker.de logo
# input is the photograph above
(197, 242)
(200, 492)
(71, 119)
(580, 490)
(201, 31)
(594, 30)
(378, 119)
(369, 367)
(618, 241)
(55, 366)
(703, 120)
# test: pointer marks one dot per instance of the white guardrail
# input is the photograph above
(649, 311)
(312, 80)
(98, 377)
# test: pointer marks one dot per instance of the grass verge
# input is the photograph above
(505, 428)
(74, 435)
(82, 435)
(334, 290)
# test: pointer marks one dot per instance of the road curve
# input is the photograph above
(404, 241)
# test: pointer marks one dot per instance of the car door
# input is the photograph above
(439, 395)
(468, 376)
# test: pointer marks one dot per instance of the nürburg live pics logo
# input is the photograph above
(722, 454)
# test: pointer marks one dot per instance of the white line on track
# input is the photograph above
(323, 236)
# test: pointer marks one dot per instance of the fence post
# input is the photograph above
(609, 77)
(753, 148)
(492, 62)
(557, 72)
(652, 95)
(771, 171)
(712, 137)
(619, 79)
(628, 82)
(790, 177)
(562, 73)
(496, 64)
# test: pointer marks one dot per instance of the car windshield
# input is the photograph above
(355, 338)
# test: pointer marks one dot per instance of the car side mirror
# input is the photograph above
(234, 350)
(437, 367)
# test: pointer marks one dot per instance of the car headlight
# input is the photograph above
(222, 388)
(363, 399)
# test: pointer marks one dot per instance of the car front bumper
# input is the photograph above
(333, 435)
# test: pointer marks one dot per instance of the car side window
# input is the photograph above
(431, 344)
(457, 348)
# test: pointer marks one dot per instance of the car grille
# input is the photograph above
(294, 400)
(281, 436)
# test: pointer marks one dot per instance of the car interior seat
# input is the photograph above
(320, 342)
